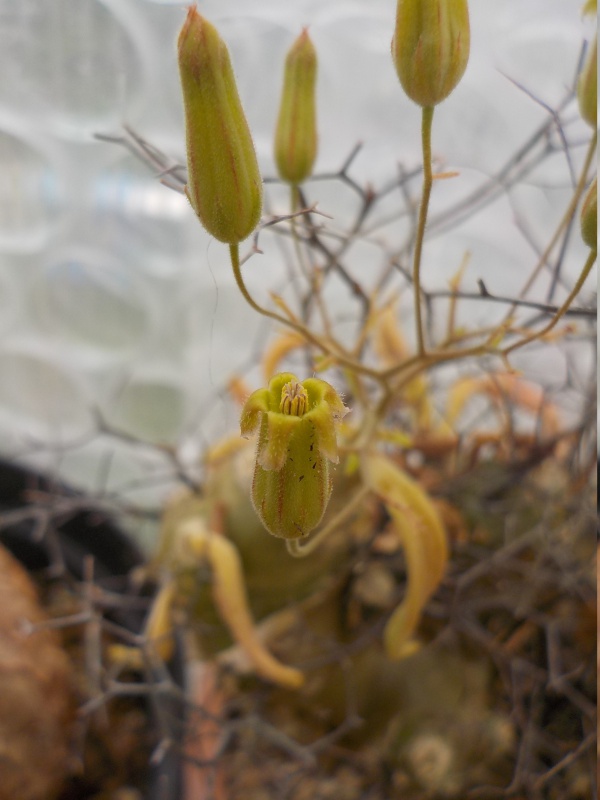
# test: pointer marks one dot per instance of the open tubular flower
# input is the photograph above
(296, 131)
(297, 441)
(224, 184)
(430, 47)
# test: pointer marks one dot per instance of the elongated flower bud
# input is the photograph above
(224, 183)
(587, 86)
(430, 47)
(590, 7)
(296, 131)
(589, 216)
(297, 440)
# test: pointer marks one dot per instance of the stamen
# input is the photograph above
(294, 399)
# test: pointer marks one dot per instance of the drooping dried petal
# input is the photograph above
(423, 538)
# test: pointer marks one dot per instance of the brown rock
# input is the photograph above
(36, 705)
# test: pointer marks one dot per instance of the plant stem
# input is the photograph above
(434, 357)
(562, 310)
(307, 269)
(566, 219)
(426, 123)
(422, 360)
(234, 253)
(297, 326)
(298, 550)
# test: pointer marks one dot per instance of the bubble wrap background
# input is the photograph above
(112, 297)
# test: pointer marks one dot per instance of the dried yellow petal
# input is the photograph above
(232, 603)
(423, 538)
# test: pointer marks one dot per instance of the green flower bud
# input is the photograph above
(296, 132)
(297, 440)
(589, 216)
(587, 86)
(430, 47)
(224, 183)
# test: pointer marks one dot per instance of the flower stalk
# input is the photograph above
(426, 123)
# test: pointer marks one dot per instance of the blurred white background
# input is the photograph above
(111, 295)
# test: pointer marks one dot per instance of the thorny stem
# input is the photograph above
(311, 275)
(567, 217)
(423, 359)
(483, 294)
(426, 123)
(454, 287)
(437, 357)
(412, 367)
(562, 310)
(518, 166)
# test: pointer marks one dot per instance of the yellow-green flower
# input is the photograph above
(589, 216)
(430, 47)
(297, 440)
(296, 131)
(587, 86)
(224, 184)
